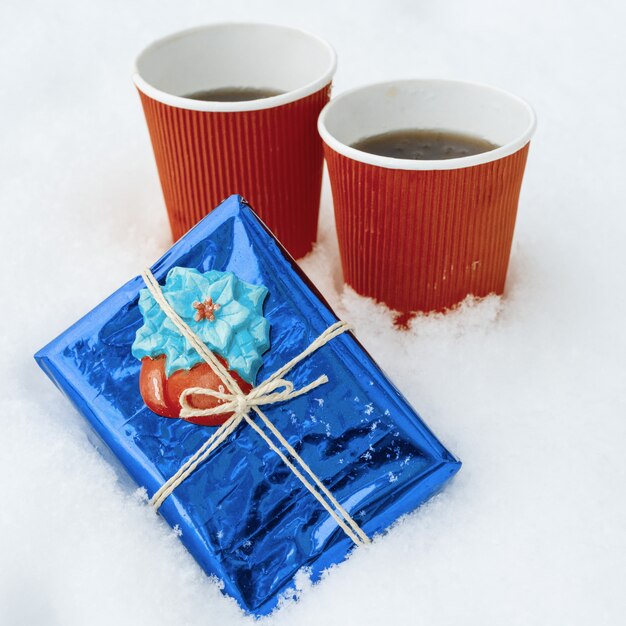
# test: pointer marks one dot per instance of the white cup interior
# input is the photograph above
(235, 55)
(471, 108)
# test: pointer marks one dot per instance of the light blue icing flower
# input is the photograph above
(226, 313)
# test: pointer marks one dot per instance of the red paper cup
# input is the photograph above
(266, 149)
(422, 235)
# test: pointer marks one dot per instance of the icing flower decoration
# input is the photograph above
(225, 312)
(205, 310)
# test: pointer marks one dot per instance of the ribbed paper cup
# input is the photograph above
(267, 150)
(422, 235)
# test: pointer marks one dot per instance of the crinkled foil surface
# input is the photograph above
(243, 515)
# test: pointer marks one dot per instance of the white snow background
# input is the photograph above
(528, 390)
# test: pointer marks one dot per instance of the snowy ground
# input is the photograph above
(528, 390)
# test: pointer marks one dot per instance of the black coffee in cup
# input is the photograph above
(424, 144)
(233, 94)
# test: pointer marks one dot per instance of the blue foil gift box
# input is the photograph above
(243, 513)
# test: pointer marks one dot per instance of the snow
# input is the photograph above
(528, 390)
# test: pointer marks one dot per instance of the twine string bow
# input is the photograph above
(268, 392)
(233, 400)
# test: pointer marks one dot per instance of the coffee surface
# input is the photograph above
(233, 94)
(424, 144)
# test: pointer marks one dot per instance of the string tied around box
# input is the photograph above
(242, 405)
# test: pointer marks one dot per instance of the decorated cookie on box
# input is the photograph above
(226, 313)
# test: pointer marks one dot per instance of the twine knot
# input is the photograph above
(243, 405)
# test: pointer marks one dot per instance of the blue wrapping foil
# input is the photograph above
(243, 515)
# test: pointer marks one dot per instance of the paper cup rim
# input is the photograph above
(392, 163)
(228, 107)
